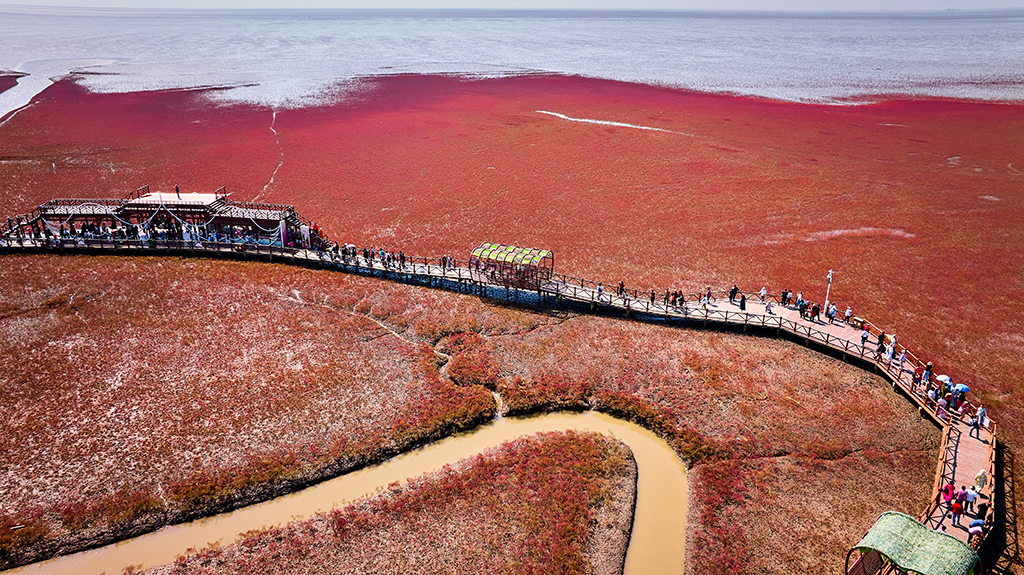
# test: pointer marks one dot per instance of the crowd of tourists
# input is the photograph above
(961, 502)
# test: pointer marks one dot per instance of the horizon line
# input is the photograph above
(732, 12)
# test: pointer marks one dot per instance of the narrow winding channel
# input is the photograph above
(659, 523)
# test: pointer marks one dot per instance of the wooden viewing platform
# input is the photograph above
(961, 456)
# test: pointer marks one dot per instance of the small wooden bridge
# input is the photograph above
(961, 456)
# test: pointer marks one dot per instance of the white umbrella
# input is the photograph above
(944, 378)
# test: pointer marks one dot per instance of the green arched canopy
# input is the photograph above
(915, 548)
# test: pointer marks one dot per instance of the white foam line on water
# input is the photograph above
(273, 120)
(610, 123)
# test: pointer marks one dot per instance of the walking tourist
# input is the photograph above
(732, 293)
(977, 421)
(982, 510)
(764, 293)
(961, 495)
(849, 314)
(972, 496)
(743, 302)
(957, 510)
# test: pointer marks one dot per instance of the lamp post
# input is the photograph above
(828, 289)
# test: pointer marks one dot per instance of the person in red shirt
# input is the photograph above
(958, 510)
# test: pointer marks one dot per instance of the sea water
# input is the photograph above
(289, 57)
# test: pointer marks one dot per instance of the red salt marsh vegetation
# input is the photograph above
(144, 391)
(915, 204)
(529, 506)
(8, 81)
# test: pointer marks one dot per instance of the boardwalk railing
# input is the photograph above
(944, 475)
(599, 295)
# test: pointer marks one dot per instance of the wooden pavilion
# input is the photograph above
(513, 266)
(898, 543)
(168, 216)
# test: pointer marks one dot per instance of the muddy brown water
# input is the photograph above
(659, 524)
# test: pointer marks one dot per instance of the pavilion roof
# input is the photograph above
(918, 549)
(511, 254)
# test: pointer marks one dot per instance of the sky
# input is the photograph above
(716, 5)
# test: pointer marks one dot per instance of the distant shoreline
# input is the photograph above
(950, 13)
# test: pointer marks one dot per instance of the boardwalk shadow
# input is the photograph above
(1001, 553)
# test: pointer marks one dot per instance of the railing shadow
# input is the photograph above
(1000, 554)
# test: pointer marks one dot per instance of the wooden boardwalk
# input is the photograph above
(961, 456)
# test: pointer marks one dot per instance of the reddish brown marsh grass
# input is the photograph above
(793, 514)
(271, 370)
(528, 506)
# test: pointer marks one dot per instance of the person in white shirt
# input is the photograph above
(972, 496)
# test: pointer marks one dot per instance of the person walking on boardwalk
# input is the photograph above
(864, 335)
(708, 295)
(732, 293)
(600, 292)
(948, 494)
(957, 510)
(980, 480)
(849, 314)
(652, 297)
(764, 293)
(972, 496)
(743, 302)
(977, 421)
(961, 496)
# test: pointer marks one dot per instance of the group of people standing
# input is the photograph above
(349, 252)
(808, 310)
